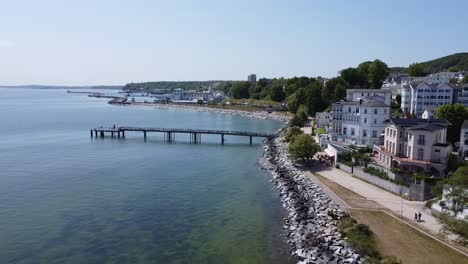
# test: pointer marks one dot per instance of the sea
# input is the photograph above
(66, 197)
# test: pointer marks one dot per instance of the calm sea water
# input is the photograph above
(67, 198)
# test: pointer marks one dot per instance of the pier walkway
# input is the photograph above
(169, 133)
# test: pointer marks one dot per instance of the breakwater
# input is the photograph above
(311, 224)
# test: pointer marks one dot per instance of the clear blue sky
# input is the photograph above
(81, 42)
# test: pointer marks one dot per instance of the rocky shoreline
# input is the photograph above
(253, 114)
(311, 224)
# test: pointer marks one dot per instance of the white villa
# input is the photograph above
(322, 119)
(414, 145)
(358, 122)
(416, 96)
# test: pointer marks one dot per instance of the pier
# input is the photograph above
(170, 133)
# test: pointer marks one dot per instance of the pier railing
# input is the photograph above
(169, 133)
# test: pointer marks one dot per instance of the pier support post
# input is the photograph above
(118, 134)
(91, 131)
(144, 135)
(102, 134)
(222, 139)
(112, 134)
(95, 133)
(123, 133)
(250, 140)
(195, 138)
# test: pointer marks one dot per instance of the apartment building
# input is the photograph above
(414, 145)
(322, 119)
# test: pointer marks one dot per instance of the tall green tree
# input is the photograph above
(364, 68)
(378, 71)
(315, 102)
(277, 94)
(354, 77)
(455, 114)
(240, 90)
(416, 70)
(296, 99)
(303, 148)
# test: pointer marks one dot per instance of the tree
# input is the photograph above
(364, 68)
(454, 69)
(416, 70)
(303, 148)
(277, 94)
(292, 133)
(465, 79)
(378, 71)
(300, 118)
(455, 114)
(457, 186)
(314, 97)
(296, 99)
(240, 90)
(354, 77)
(329, 90)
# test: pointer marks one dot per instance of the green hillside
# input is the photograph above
(458, 60)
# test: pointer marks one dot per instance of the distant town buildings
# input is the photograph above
(252, 78)
(464, 140)
(414, 145)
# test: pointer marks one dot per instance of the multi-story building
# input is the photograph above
(358, 122)
(417, 96)
(460, 94)
(416, 145)
(464, 140)
(322, 119)
(252, 78)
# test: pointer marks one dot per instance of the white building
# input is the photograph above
(358, 122)
(181, 95)
(322, 119)
(419, 96)
(464, 140)
(416, 145)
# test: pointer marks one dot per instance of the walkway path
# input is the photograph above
(386, 199)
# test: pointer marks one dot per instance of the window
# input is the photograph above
(385, 110)
(375, 121)
(345, 130)
(365, 120)
(421, 140)
(374, 133)
(420, 154)
(375, 111)
(349, 109)
(365, 110)
(363, 142)
(364, 133)
(357, 109)
(437, 150)
(401, 134)
(352, 131)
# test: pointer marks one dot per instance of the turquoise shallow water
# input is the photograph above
(67, 198)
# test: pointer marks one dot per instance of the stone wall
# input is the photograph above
(392, 187)
(346, 168)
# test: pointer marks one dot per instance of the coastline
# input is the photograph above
(313, 217)
(252, 114)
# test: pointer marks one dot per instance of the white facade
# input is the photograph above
(358, 122)
(417, 97)
(322, 119)
(180, 94)
(415, 145)
(464, 140)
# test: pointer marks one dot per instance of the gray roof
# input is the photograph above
(420, 123)
(465, 124)
(363, 90)
(369, 103)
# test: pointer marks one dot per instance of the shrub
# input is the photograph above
(361, 238)
(391, 260)
(457, 226)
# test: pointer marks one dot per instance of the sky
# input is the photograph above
(113, 42)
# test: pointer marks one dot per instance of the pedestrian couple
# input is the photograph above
(417, 217)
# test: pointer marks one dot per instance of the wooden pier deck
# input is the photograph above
(169, 133)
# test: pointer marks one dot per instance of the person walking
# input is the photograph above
(415, 216)
(419, 217)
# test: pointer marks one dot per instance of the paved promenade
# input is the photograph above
(386, 199)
